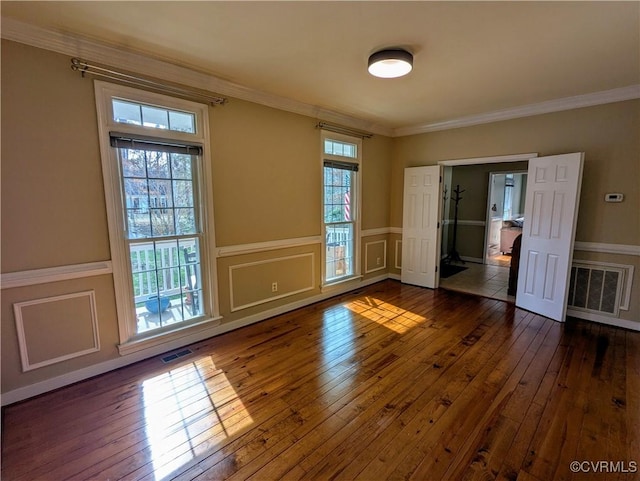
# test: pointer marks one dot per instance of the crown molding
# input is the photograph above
(91, 50)
(568, 103)
(161, 69)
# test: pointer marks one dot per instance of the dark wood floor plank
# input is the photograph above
(388, 382)
(632, 399)
(543, 459)
(483, 405)
(418, 441)
(477, 453)
(335, 399)
(377, 352)
(331, 458)
(357, 404)
(458, 367)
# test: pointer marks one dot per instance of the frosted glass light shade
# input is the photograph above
(390, 63)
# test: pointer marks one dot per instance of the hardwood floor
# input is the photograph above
(389, 382)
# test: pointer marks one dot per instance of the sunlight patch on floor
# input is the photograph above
(392, 317)
(186, 410)
(338, 335)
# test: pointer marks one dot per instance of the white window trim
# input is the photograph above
(324, 134)
(125, 310)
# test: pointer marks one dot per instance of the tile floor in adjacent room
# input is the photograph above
(481, 279)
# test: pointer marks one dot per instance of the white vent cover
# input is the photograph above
(596, 288)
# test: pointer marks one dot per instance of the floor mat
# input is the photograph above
(447, 270)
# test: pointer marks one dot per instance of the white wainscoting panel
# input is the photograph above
(398, 265)
(381, 267)
(54, 329)
(256, 269)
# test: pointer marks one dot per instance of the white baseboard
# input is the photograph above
(42, 387)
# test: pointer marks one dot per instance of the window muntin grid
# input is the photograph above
(162, 227)
(159, 193)
(136, 113)
(339, 219)
(342, 149)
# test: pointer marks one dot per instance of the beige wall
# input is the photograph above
(52, 196)
(266, 174)
(474, 180)
(12, 375)
(376, 171)
(266, 183)
(267, 186)
(609, 135)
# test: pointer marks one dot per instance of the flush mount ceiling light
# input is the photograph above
(390, 63)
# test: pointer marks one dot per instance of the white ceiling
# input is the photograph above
(470, 57)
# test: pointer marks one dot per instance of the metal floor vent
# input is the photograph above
(176, 355)
(596, 288)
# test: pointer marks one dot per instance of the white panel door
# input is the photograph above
(421, 226)
(551, 211)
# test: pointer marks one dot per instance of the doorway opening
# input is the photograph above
(545, 246)
(505, 215)
(495, 187)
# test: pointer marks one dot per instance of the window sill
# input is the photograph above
(330, 286)
(172, 339)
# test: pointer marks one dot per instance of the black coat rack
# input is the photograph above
(453, 255)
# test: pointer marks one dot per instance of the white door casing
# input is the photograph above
(421, 226)
(551, 212)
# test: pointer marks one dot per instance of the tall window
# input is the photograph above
(154, 150)
(341, 161)
(162, 230)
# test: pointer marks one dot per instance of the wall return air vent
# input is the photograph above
(596, 288)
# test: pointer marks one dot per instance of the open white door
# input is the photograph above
(421, 226)
(551, 212)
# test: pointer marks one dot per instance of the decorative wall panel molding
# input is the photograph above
(55, 329)
(383, 264)
(261, 275)
(398, 250)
